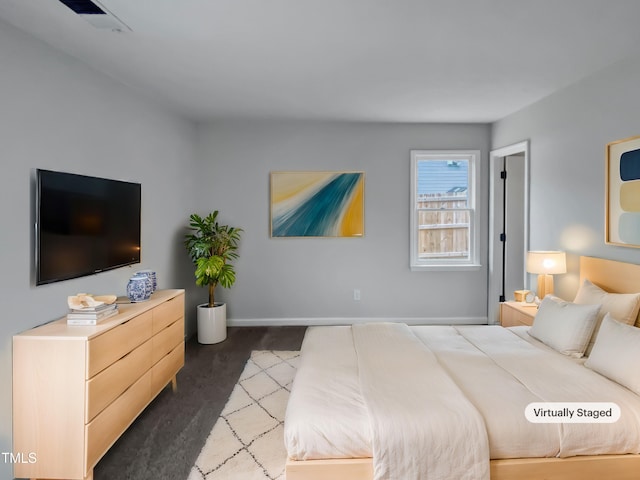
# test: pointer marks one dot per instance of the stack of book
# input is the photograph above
(91, 315)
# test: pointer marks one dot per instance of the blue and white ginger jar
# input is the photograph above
(147, 276)
(152, 278)
(138, 288)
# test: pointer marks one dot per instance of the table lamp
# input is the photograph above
(546, 264)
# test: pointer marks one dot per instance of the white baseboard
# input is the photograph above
(308, 321)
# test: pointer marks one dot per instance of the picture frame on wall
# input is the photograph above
(317, 204)
(622, 196)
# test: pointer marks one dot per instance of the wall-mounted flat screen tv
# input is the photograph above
(84, 225)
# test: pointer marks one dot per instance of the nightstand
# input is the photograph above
(513, 314)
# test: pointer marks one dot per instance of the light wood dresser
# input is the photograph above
(77, 389)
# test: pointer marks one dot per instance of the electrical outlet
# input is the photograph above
(356, 294)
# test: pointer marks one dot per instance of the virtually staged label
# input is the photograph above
(572, 412)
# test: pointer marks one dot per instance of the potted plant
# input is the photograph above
(212, 247)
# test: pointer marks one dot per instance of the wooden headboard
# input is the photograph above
(610, 275)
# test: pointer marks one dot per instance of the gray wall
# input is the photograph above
(58, 114)
(312, 280)
(569, 132)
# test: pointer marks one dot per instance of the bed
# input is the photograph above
(342, 425)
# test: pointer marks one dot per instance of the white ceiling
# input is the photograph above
(364, 60)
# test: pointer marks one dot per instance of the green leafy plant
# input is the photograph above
(212, 247)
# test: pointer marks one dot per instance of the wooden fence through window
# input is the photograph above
(443, 220)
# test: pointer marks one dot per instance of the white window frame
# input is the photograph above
(418, 264)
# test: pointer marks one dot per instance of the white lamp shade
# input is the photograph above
(546, 262)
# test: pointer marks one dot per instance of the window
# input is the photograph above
(444, 220)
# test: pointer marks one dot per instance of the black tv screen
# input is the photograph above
(84, 225)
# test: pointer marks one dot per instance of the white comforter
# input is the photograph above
(414, 406)
(335, 410)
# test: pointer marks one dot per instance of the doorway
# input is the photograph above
(508, 224)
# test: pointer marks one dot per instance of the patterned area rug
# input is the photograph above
(247, 441)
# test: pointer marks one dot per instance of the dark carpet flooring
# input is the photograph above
(165, 440)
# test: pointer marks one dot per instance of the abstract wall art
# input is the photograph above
(622, 217)
(317, 204)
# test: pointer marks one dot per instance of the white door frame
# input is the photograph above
(495, 260)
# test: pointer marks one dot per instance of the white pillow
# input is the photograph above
(564, 326)
(616, 353)
(622, 306)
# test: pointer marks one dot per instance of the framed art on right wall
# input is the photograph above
(622, 196)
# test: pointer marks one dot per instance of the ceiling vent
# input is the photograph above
(97, 15)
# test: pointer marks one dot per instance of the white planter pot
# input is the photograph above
(212, 323)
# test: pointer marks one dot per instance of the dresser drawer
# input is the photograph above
(515, 321)
(114, 344)
(167, 313)
(105, 429)
(105, 387)
(163, 371)
(167, 339)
